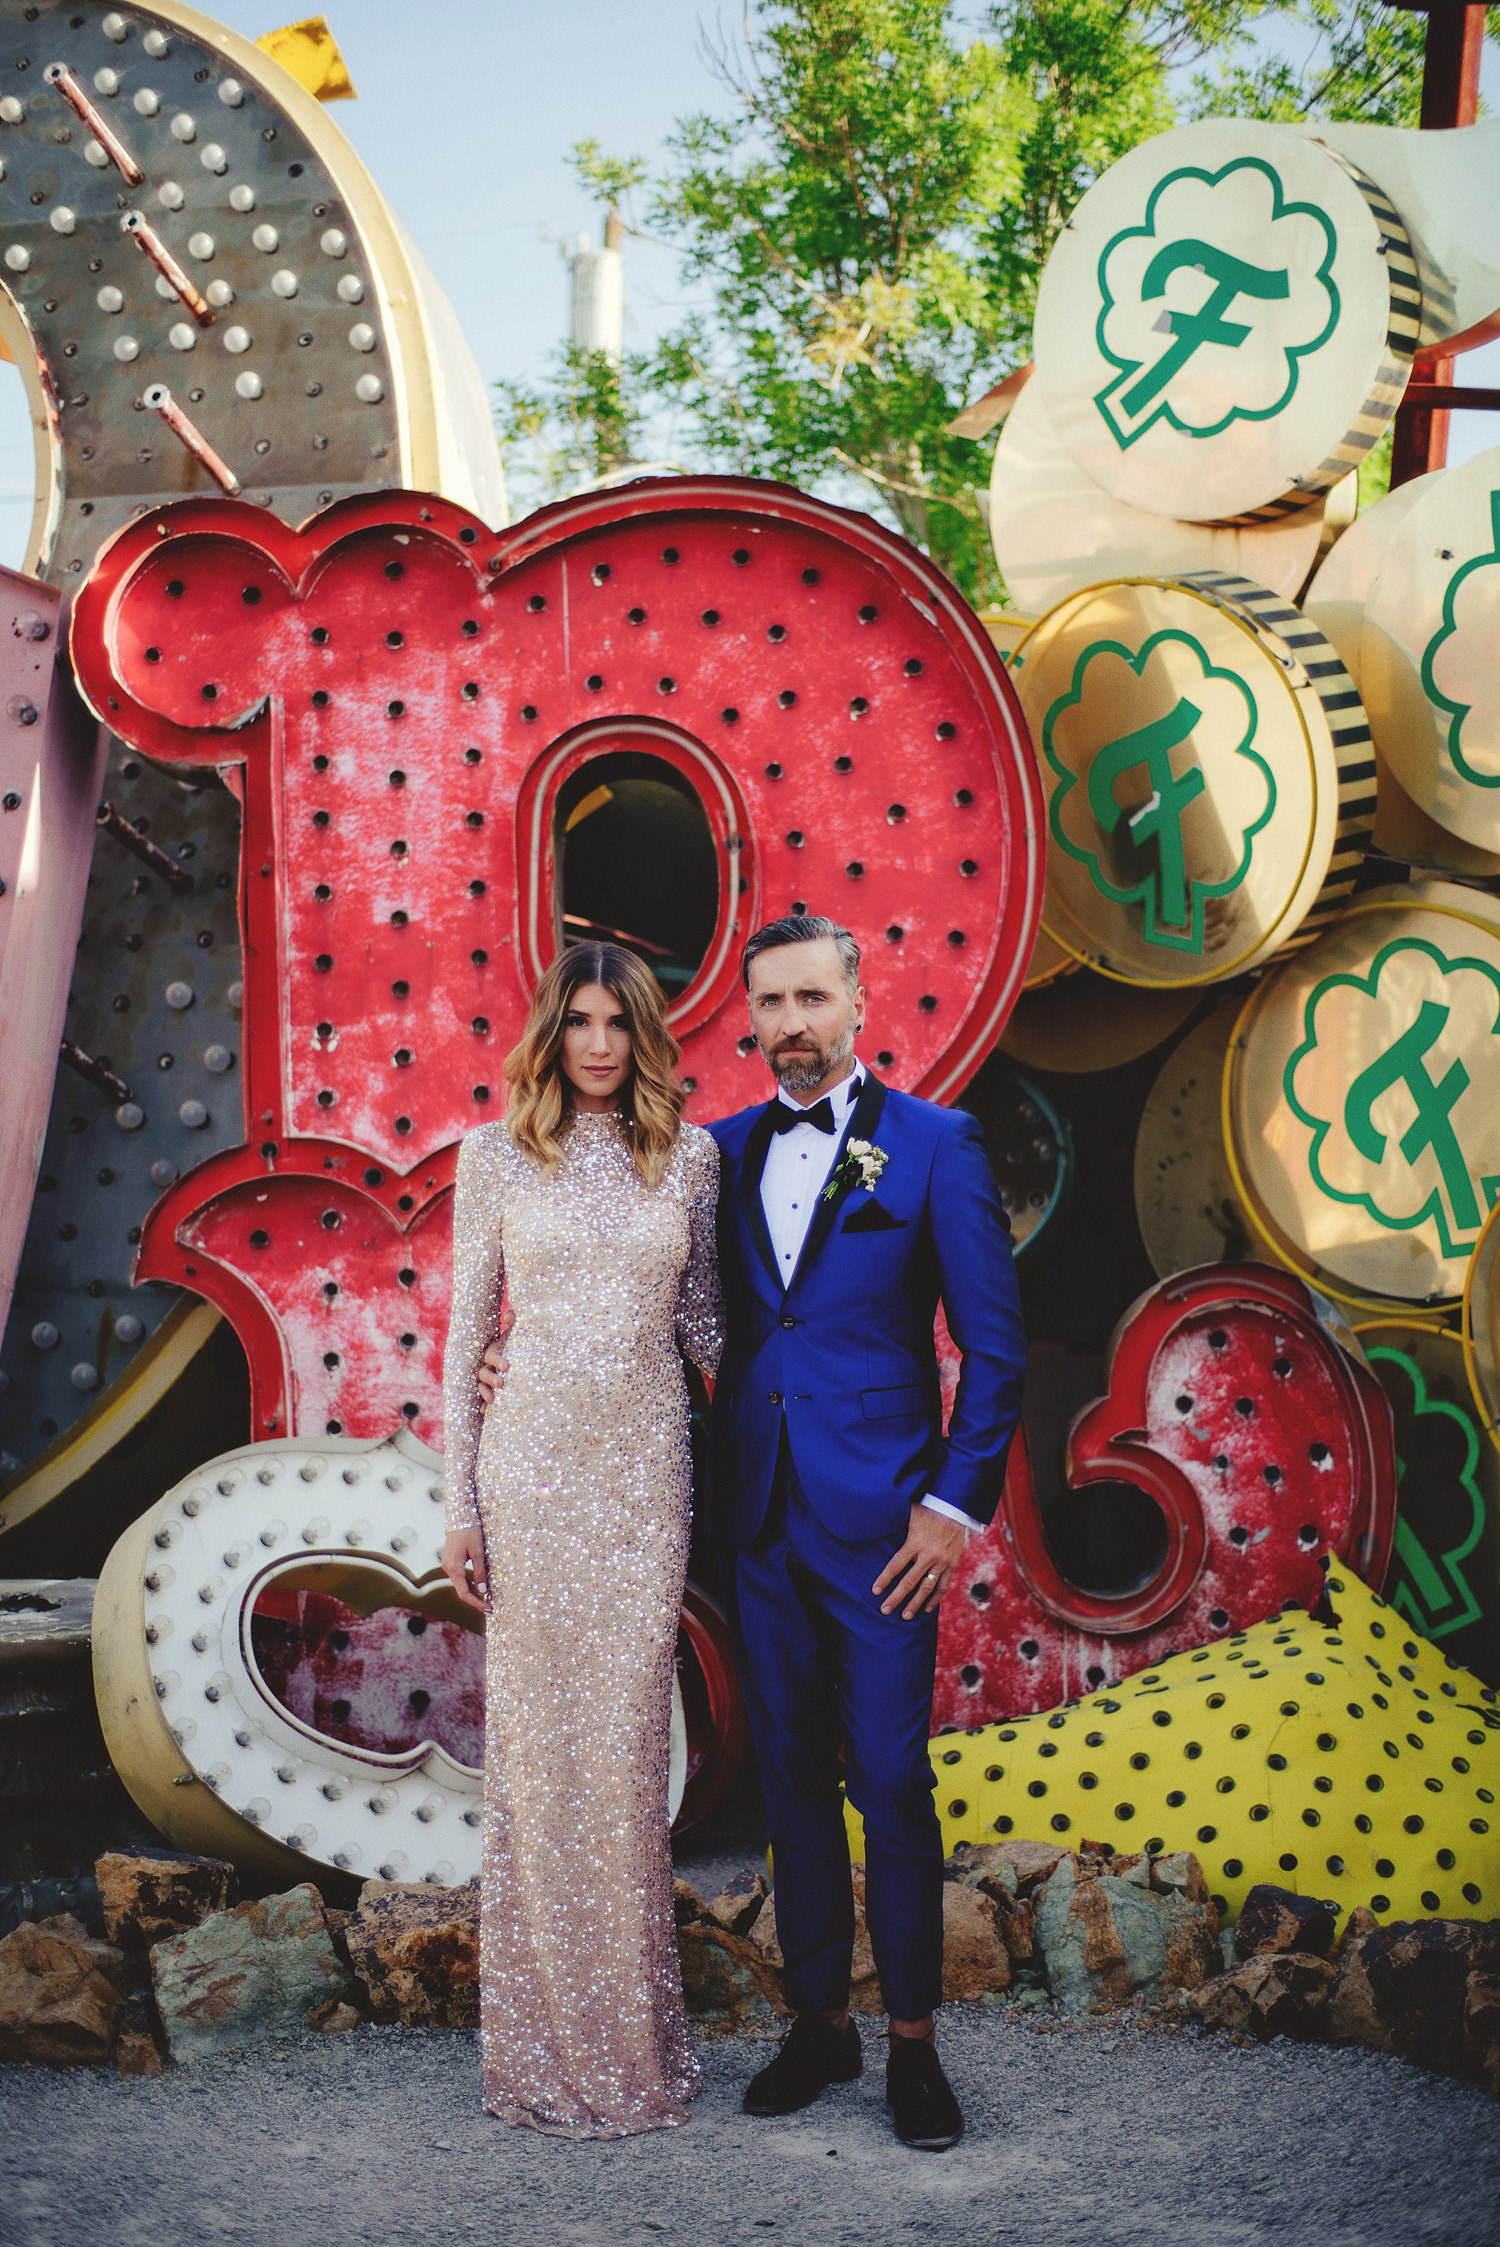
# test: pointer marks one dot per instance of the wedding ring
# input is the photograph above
(931, 1577)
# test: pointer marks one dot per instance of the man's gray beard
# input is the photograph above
(797, 1072)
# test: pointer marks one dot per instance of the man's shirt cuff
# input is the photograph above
(952, 1513)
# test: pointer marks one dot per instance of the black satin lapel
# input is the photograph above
(863, 1118)
(752, 1163)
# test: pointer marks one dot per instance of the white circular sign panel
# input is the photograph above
(1227, 323)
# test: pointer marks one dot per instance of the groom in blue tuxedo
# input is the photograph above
(847, 1210)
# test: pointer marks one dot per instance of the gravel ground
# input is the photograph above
(1098, 2135)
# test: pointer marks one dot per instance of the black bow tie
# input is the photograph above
(819, 1115)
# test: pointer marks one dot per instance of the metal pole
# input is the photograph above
(1450, 96)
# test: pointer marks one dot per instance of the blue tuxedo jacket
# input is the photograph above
(844, 1352)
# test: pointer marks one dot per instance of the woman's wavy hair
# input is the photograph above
(541, 1098)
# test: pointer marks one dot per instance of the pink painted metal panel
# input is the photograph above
(51, 764)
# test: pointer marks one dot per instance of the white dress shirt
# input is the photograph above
(798, 1164)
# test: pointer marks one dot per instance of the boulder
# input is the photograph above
(136, 2049)
(334, 2017)
(728, 1982)
(1015, 1916)
(241, 1975)
(415, 1949)
(1404, 1988)
(1274, 1919)
(146, 1897)
(107, 1957)
(61, 1994)
(1108, 1937)
(982, 1865)
(975, 1960)
(1275, 1993)
(1482, 2028)
(1032, 1862)
(737, 1905)
(1179, 1873)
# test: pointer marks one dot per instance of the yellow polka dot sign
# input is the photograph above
(1209, 774)
(1227, 323)
(1362, 1097)
(1348, 1760)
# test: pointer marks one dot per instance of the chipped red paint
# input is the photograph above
(1310, 1469)
(397, 695)
(384, 1682)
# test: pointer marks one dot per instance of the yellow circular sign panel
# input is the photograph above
(1429, 651)
(1054, 530)
(1482, 1324)
(1080, 1024)
(1185, 1202)
(1209, 775)
(1362, 1097)
(1227, 323)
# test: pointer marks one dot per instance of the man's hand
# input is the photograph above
(493, 1367)
(917, 1576)
(463, 1550)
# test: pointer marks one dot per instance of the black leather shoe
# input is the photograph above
(919, 2096)
(812, 2055)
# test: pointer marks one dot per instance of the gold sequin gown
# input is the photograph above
(579, 1478)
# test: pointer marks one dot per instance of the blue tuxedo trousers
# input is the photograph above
(836, 1690)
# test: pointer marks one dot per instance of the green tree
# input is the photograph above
(869, 222)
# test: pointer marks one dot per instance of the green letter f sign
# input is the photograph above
(1432, 1126)
(1232, 277)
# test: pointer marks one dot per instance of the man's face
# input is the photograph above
(803, 1014)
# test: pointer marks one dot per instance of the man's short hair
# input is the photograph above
(803, 928)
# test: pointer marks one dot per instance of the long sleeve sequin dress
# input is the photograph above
(578, 1477)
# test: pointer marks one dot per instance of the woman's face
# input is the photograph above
(595, 1048)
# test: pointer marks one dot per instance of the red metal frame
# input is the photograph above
(1234, 1331)
(1450, 96)
(396, 694)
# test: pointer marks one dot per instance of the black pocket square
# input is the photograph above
(869, 1217)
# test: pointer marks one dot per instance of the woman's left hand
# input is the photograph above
(463, 1552)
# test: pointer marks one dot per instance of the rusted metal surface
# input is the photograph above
(406, 697)
(1238, 1405)
(178, 214)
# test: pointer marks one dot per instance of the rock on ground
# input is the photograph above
(1418, 1988)
(415, 1949)
(146, 1897)
(61, 1994)
(1275, 1919)
(729, 1984)
(243, 1974)
(1108, 1936)
(1274, 1993)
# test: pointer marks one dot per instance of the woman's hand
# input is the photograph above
(493, 1367)
(463, 1551)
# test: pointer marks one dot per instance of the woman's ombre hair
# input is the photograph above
(541, 1097)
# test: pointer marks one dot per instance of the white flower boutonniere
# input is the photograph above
(861, 1165)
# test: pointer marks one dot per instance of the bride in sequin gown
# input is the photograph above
(576, 1481)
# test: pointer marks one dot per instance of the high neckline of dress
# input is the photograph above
(596, 1116)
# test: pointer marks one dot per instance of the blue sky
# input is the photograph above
(466, 114)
